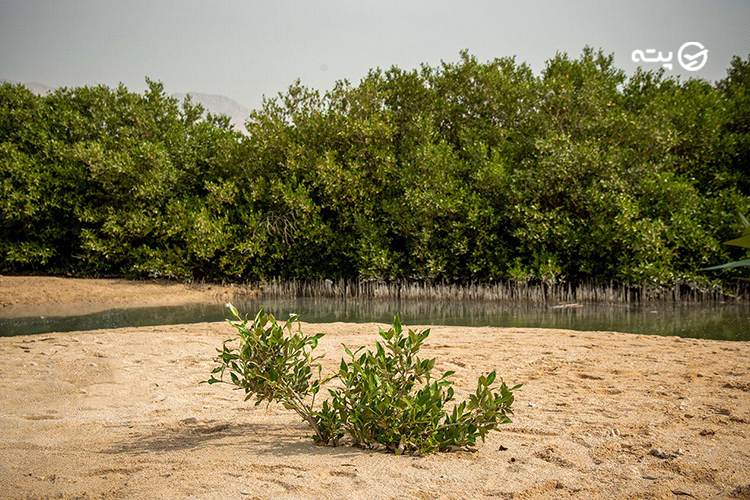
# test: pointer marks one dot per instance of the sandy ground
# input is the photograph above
(31, 295)
(121, 414)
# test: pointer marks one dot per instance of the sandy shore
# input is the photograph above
(120, 414)
(29, 295)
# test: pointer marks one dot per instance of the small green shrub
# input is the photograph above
(387, 398)
(273, 363)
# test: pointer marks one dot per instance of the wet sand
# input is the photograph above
(22, 296)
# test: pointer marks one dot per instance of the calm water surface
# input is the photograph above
(727, 321)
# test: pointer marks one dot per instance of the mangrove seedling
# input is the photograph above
(388, 398)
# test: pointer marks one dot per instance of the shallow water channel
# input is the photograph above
(724, 321)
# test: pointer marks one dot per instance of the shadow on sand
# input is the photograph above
(260, 438)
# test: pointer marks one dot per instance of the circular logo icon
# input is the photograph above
(689, 58)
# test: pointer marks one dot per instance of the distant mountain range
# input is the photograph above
(37, 88)
(219, 104)
(215, 104)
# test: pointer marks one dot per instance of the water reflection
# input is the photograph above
(715, 321)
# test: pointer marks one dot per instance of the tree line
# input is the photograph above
(461, 172)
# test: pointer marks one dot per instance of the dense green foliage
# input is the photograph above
(100, 181)
(384, 398)
(464, 171)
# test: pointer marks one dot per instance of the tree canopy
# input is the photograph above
(464, 171)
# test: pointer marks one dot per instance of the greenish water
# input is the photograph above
(728, 321)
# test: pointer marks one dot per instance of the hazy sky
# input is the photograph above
(246, 49)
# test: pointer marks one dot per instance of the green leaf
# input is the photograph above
(730, 265)
(233, 310)
(397, 324)
(742, 241)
